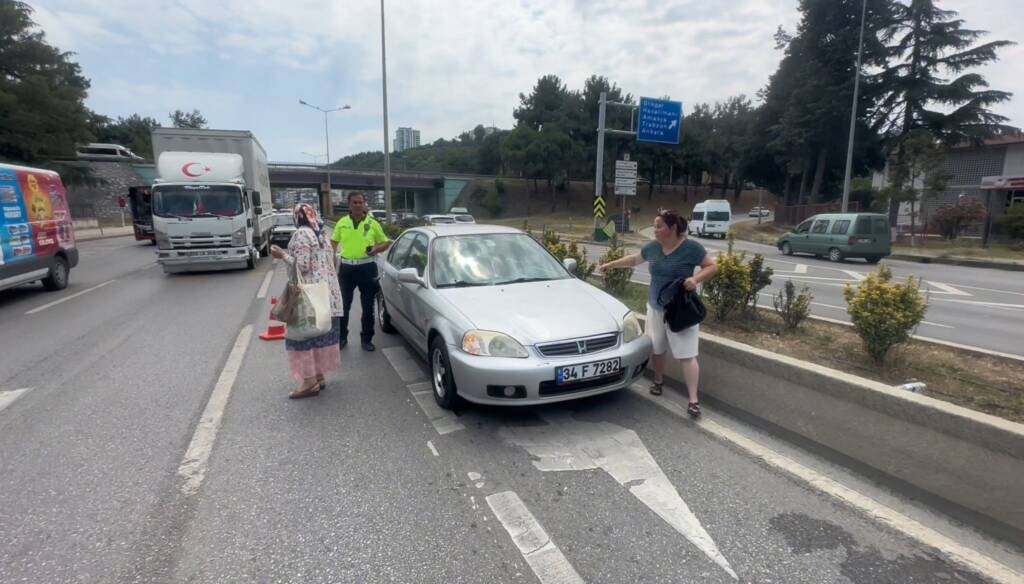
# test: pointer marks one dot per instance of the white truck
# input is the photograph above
(208, 199)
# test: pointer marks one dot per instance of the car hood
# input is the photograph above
(539, 312)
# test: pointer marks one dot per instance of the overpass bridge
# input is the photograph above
(431, 192)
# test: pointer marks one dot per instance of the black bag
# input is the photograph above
(685, 309)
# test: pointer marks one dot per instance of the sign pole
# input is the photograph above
(599, 176)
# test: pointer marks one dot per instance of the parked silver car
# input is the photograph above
(501, 321)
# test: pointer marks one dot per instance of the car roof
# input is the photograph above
(465, 229)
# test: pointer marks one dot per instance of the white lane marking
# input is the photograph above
(433, 449)
(265, 287)
(566, 444)
(545, 559)
(800, 269)
(405, 364)
(843, 308)
(197, 458)
(1006, 305)
(946, 289)
(9, 397)
(444, 421)
(965, 556)
(72, 297)
(855, 275)
(990, 290)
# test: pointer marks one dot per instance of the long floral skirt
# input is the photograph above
(316, 356)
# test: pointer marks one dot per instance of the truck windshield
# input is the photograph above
(197, 201)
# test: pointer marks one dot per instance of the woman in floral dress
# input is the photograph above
(309, 254)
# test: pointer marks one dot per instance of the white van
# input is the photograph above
(711, 218)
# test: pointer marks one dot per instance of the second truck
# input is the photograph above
(208, 198)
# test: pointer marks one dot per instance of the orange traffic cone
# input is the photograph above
(275, 328)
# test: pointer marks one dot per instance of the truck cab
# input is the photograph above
(204, 215)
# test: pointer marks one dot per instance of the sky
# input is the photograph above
(451, 64)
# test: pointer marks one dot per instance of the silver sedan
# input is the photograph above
(501, 321)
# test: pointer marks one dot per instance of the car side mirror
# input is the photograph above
(410, 276)
(570, 264)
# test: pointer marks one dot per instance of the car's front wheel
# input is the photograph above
(441, 377)
(786, 248)
(383, 318)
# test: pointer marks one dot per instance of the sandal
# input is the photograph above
(656, 387)
(693, 409)
(307, 392)
(321, 382)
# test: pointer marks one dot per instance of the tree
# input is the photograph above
(930, 44)
(194, 120)
(42, 93)
(133, 132)
(951, 219)
(921, 164)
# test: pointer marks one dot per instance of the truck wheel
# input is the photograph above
(250, 264)
(58, 278)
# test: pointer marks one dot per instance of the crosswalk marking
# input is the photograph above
(946, 289)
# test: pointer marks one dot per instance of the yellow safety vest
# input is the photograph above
(352, 241)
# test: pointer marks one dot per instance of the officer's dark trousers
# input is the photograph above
(364, 277)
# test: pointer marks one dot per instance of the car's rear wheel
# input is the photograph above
(786, 248)
(834, 255)
(383, 318)
(441, 377)
(872, 259)
(58, 278)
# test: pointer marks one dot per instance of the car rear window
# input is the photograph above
(820, 226)
(881, 226)
(841, 227)
(863, 226)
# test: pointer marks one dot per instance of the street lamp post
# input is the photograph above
(384, 87)
(327, 143)
(315, 157)
(853, 113)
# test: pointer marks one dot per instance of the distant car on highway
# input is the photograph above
(475, 300)
(438, 219)
(283, 229)
(838, 236)
(464, 218)
(379, 214)
(759, 211)
(712, 217)
(458, 211)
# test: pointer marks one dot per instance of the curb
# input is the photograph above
(963, 262)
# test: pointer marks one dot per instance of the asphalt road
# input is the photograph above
(977, 307)
(146, 437)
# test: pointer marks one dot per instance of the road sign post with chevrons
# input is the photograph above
(599, 208)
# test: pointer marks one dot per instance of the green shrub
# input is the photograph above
(615, 281)
(793, 308)
(884, 314)
(727, 292)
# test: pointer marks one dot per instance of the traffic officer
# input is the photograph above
(361, 238)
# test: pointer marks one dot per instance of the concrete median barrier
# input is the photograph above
(973, 460)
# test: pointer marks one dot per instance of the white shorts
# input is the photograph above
(683, 343)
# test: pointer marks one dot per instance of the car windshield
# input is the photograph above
(284, 219)
(197, 201)
(490, 259)
(718, 216)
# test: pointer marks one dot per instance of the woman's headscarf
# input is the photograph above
(305, 215)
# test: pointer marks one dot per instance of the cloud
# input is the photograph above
(450, 66)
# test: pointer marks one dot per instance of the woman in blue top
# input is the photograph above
(671, 256)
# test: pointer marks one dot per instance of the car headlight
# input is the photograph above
(631, 329)
(492, 344)
(238, 237)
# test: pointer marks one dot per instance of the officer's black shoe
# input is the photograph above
(343, 343)
(368, 346)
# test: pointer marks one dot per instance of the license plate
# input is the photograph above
(576, 373)
(204, 253)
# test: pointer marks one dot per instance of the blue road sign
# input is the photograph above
(659, 121)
